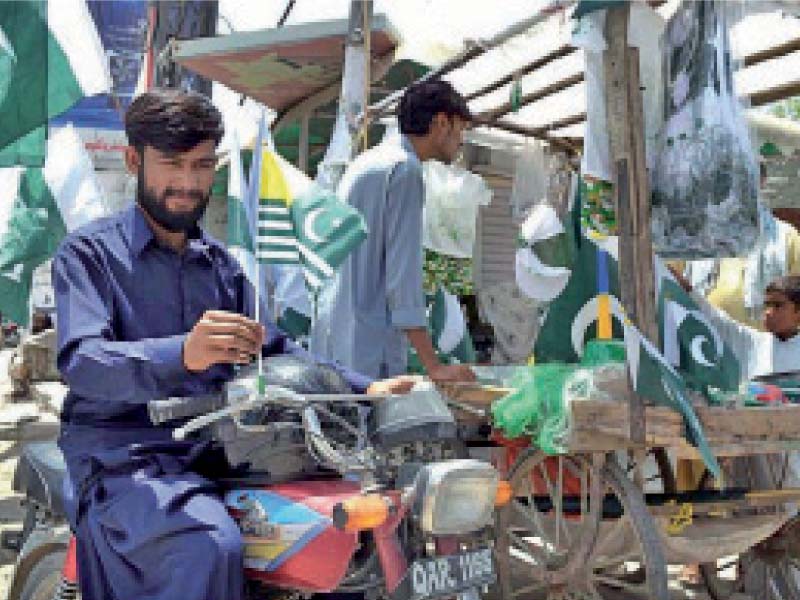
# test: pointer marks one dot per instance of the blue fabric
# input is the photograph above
(148, 525)
(379, 292)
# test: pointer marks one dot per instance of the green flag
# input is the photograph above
(449, 333)
(50, 57)
(327, 230)
(690, 342)
(588, 308)
(653, 378)
(37, 207)
(240, 239)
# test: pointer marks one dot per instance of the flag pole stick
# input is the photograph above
(254, 188)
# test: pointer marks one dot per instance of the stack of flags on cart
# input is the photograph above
(692, 354)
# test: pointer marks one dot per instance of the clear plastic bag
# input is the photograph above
(449, 216)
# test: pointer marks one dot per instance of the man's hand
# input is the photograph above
(451, 373)
(221, 337)
(395, 385)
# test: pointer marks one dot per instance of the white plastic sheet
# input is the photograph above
(449, 216)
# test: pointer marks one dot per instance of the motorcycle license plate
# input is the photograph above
(447, 575)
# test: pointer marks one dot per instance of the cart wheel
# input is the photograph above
(545, 533)
(626, 556)
(552, 541)
(771, 569)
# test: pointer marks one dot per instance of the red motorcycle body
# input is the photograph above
(289, 535)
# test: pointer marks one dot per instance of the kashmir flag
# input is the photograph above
(51, 56)
(657, 381)
(38, 206)
(690, 342)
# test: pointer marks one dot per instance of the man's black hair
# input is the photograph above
(172, 121)
(422, 101)
(789, 286)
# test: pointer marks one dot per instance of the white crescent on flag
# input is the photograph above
(674, 316)
(588, 315)
(308, 226)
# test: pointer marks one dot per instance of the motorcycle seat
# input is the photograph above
(40, 475)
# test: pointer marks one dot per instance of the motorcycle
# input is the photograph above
(340, 493)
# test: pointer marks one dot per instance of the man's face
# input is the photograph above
(448, 134)
(781, 315)
(174, 189)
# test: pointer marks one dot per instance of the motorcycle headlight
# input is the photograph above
(456, 496)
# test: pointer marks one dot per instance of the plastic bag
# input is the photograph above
(705, 183)
(450, 213)
(529, 187)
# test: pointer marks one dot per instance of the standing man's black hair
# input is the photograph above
(172, 121)
(422, 101)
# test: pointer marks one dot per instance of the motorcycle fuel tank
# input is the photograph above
(289, 536)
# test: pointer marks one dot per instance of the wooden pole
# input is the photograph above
(302, 150)
(625, 117)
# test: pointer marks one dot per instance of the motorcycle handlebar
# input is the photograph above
(172, 409)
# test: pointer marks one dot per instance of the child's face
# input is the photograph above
(781, 315)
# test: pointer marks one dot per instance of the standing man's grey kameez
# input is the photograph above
(379, 291)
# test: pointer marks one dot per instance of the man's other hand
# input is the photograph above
(451, 373)
(221, 337)
(396, 385)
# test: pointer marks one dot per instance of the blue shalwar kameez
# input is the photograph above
(149, 523)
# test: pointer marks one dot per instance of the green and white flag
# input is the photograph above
(240, 239)
(448, 328)
(327, 230)
(449, 333)
(51, 56)
(588, 308)
(38, 206)
(690, 342)
(654, 378)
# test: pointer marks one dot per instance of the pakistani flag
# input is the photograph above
(240, 238)
(448, 329)
(654, 378)
(38, 206)
(691, 343)
(50, 57)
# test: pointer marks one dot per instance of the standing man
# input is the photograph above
(379, 305)
(149, 306)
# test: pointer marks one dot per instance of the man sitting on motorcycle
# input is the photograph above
(150, 306)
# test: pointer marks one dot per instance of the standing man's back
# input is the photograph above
(379, 305)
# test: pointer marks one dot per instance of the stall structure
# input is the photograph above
(581, 523)
(601, 509)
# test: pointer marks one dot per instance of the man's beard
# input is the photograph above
(156, 207)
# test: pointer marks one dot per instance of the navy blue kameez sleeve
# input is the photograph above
(93, 363)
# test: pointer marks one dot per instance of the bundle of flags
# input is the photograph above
(51, 56)
(692, 354)
(278, 217)
(38, 206)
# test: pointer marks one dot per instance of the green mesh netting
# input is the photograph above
(537, 407)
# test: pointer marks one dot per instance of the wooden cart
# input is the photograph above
(588, 522)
